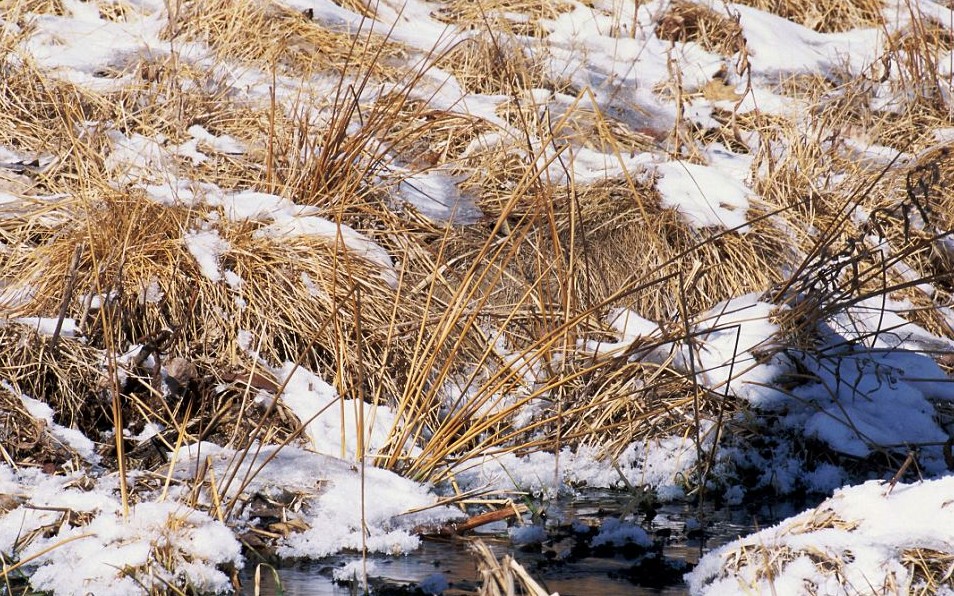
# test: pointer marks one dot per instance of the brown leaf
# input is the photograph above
(719, 90)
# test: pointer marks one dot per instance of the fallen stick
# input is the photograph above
(475, 521)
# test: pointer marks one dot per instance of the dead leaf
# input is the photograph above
(719, 90)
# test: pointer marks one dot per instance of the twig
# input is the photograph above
(67, 294)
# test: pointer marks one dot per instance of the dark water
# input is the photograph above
(680, 533)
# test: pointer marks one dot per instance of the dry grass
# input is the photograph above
(537, 277)
(686, 21)
(760, 564)
(473, 323)
(826, 16)
(503, 577)
(26, 441)
(930, 570)
(498, 63)
(23, 7)
(498, 15)
(498, 282)
(286, 41)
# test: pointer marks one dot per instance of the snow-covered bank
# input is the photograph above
(874, 538)
(70, 535)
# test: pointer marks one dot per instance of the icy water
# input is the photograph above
(674, 528)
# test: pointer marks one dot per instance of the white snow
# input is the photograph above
(207, 247)
(617, 533)
(331, 423)
(110, 554)
(47, 326)
(724, 351)
(71, 437)
(97, 556)
(862, 530)
(221, 143)
(333, 508)
(83, 48)
(705, 196)
(726, 344)
(661, 463)
(803, 50)
(138, 159)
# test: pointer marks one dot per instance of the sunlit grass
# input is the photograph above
(468, 328)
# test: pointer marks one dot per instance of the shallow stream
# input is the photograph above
(680, 534)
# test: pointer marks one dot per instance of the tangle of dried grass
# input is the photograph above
(284, 39)
(826, 16)
(686, 21)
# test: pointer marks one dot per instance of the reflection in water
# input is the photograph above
(673, 525)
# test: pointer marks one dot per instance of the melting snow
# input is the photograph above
(207, 247)
(705, 196)
(861, 530)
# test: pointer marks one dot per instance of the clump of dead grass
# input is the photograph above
(826, 16)
(911, 64)
(633, 401)
(137, 280)
(498, 15)
(930, 569)
(32, 117)
(686, 21)
(497, 63)
(503, 577)
(700, 267)
(926, 184)
(286, 40)
(883, 235)
(63, 376)
(24, 440)
(619, 235)
(25, 7)
(481, 321)
(427, 138)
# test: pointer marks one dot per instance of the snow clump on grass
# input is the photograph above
(74, 539)
(874, 538)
